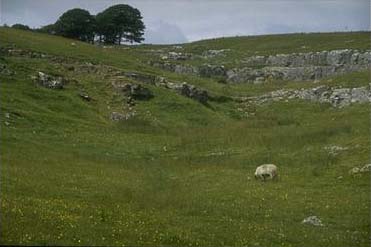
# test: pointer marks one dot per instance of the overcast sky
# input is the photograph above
(178, 21)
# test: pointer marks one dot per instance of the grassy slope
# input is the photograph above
(69, 176)
(243, 47)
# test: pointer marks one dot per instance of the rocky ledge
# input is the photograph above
(337, 97)
(294, 67)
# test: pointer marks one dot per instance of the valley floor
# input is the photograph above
(178, 173)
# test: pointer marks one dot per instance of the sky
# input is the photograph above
(180, 21)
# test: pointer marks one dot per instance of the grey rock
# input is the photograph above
(4, 70)
(136, 91)
(312, 220)
(48, 81)
(310, 66)
(337, 97)
(208, 70)
(116, 116)
(178, 55)
(360, 95)
(146, 78)
(83, 95)
(194, 93)
(366, 168)
(341, 97)
(214, 53)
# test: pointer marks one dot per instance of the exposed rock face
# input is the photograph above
(337, 97)
(49, 81)
(116, 116)
(309, 73)
(208, 70)
(364, 169)
(323, 58)
(294, 67)
(136, 91)
(146, 78)
(194, 93)
(178, 56)
(214, 53)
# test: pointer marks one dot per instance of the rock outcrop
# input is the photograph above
(116, 116)
(293, 67)
(337, 97)
(194, 93)
(48, 81)
(135, 91)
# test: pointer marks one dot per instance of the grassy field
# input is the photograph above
(180, 173)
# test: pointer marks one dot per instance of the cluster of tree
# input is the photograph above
(112, 26)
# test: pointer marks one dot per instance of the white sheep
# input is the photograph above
(266, 171)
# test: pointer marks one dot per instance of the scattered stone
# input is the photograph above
(7, 115)
(6, 123)
(130, 101)
(116, 116)
(366, 168)
(354, 170)
(73, 44)
(178, 55)
(208, 70)
(214, 53)
(49, 81)
(194, 93)
(136, 91)
(5, 71)
(312, 220)
(145, 78)
(357, 170)
(84, 96)
(322, 94)
(335, 150)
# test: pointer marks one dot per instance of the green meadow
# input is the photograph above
(179, 173)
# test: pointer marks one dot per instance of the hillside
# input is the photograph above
(157, 145)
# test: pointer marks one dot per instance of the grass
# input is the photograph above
(264, 45)
(178, 174)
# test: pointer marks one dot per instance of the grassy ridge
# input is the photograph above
(180, 173)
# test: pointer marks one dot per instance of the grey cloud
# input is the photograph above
(164, 33)
(193, 20)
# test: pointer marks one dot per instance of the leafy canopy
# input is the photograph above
(120, 22)
(76, 24)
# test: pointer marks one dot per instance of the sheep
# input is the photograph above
(266, 171)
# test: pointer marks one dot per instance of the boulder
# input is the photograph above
(136, 91)
(194, 93)
(360, 95)
(340, 97)
(208, 70)
(116, 116)
(48, 81)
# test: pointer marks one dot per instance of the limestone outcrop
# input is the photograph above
(289, 67)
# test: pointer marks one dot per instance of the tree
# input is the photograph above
(120, 22)
(50, 29)
(21, 26)
(76, 24)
